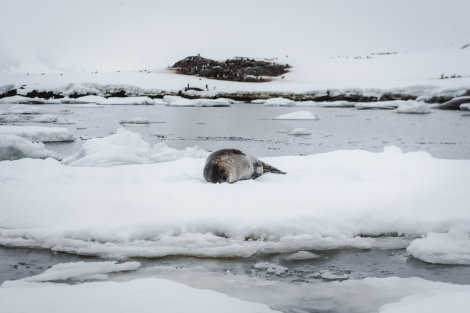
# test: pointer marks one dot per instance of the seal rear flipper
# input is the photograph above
(271, 169)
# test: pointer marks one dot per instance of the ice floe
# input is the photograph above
(38, 133)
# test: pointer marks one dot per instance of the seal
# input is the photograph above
(231, 165)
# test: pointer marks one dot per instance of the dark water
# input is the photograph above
(251, 127)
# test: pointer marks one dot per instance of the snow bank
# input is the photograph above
(299, 115)
(80, 271)
(452, 247)
(126, 147)
(14, 147)
(27, 100)
(38, 133)
(141, 295)
(113, 100)
(413, 107)
(178, 101)
(152, 209)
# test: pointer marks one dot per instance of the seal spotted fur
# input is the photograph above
(231, 165)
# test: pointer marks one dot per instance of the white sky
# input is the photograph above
(75, 35)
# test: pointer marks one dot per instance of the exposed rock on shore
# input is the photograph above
(236, 69)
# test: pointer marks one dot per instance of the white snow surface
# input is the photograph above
(101, 207)
(38, 133)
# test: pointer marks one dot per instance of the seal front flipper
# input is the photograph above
(271, 169)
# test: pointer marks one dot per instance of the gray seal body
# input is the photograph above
(231, 165)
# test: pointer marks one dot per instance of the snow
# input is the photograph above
(465, 107)
(178, 101)
(281, 102)
(112, 100)
(413, 107)
(298, 115)
(81, 271)
(14, 147)
(303, 255)
(452, 247)
(38, 133)
(139, 211)
(126, 147)
(142, 295)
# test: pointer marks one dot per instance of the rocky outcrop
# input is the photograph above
(236, 69)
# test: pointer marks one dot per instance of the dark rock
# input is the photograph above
(236, 69)
(454, 104)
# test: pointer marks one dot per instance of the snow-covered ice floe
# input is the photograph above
(13, 147)
(338, 199)
(452, 247)
(38, 133)
(81, 271)
(279, 102)
(142, 100)
(413, 107)
(298, 115)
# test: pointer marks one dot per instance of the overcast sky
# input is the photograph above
(65, 35)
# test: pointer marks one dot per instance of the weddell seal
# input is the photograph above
(231, 165)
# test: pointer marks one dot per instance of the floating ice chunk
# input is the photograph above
(136, 120)
(329, 275)
(14, 147)
(465, 107)
(413, 107)
(82, 271)
(299, 115)
(271, 268)
(299, 132)
(443, 248)
(258, 101)
(279, 102)
(38, 133)
(303, 255)
(383, 105)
